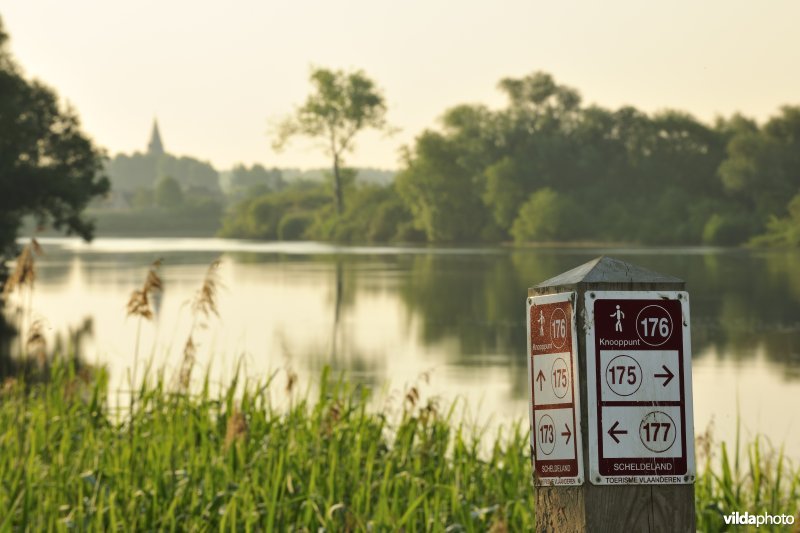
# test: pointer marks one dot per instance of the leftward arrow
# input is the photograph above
(566, 433)
(613, 432)
(668, 376)
(540, 379)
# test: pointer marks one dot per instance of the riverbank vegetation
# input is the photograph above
(548, 168)
(230, 458)
(545, 167)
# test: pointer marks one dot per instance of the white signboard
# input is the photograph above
(554, 390)
(638, 358)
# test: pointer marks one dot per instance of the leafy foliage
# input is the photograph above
(48, 167)
(259, 217)
(143, 171)
(342, 105)
(293, 226)
(243, 179)
(546, 216)
(546, 168)
(168, 192)
(783, 231)
(440, 191)
(301, 210)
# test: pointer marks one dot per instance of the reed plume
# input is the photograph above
(204, 304)
(235, 429)
(205, 299)
(187, 364)
(23, 277)
(24, 273)
(291, 380)
(36, 344)
(139, 303)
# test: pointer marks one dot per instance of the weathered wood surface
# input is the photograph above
(603, 508)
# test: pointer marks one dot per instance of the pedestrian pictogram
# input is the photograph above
(619, 315)
(541, 323)
(555, 397)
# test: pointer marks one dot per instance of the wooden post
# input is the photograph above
(600, 508)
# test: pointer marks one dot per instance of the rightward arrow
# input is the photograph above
(566, 433)
(614, 432)
(668, 376)
(540, 379)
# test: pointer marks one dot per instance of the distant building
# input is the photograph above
(141, 171)
(155, 147)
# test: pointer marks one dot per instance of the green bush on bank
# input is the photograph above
(259, 216)
(293, 225)
(784, 232)
(372, 214)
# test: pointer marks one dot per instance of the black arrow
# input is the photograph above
(614, 432)
(669, 375)
(540, 379)
(568, 433)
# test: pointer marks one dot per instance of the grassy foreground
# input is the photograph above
(233, 461)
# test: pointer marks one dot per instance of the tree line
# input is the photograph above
(545, 168)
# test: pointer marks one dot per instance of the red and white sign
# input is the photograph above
(638, 358)
(554, 390)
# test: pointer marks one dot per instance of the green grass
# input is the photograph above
(233, 461)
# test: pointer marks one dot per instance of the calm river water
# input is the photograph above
(386, 315)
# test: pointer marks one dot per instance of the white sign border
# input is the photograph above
(578, 436)
(591, 371)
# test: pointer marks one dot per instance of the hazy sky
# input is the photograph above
(217, 73)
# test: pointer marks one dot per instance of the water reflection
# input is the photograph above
(742, 302)
(389, 314)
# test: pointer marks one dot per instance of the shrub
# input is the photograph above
(293, 226)
(725, 230)
(546, 216)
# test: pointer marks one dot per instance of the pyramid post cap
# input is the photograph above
(605, 269)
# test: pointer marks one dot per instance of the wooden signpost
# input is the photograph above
(626, 403)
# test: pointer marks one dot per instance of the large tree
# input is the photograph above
(48, 167)
(341, 105)
(763, 165)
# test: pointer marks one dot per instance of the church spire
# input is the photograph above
(155, 147)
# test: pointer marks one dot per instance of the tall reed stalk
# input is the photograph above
(203, 306)
(22, 280)
(140, 306)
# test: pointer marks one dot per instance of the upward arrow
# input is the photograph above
(540, 379)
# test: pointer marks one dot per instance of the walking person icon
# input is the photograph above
(619, 315)
(541, 323)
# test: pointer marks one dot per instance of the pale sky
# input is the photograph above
(217, 73)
